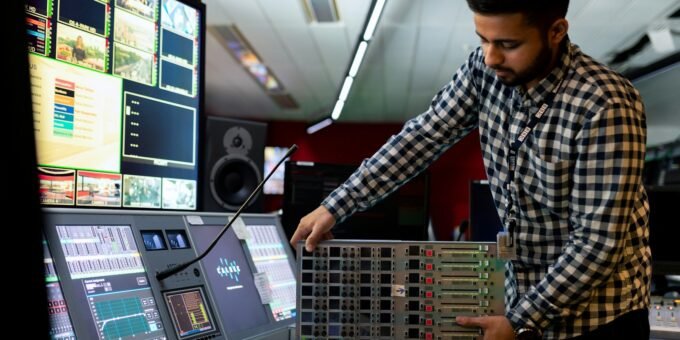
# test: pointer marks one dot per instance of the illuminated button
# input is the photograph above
(428, 308)
(428, 294)
(429, 252)
(428, 322)
(428, 280)
(429, 266)
(428, 336)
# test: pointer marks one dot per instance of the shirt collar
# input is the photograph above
(539, 92)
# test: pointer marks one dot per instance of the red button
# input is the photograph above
(428, 280)
(428, 294)
(428, 266)
(428, 322)
(428, 336)
(428, 308)
(429, 253)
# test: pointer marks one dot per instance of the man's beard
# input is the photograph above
(538, 68)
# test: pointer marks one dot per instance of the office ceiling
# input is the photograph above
(416, 48)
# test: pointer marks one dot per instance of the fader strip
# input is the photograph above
(412, 290)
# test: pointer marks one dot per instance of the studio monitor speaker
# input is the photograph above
(234, 161)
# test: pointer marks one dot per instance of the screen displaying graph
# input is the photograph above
(190, 313)
(109, 277)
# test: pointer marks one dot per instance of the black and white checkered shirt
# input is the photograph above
(582, 246)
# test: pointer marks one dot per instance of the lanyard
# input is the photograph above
(510, 220)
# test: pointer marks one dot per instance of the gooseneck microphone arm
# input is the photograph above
(162, 275)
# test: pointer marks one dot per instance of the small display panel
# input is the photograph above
(190, 313)
(178, 239)
(153, 240)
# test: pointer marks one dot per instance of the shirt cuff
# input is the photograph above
(339, 204)
(528, 313)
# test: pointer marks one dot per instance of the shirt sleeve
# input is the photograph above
(607, 176)
(451, 116)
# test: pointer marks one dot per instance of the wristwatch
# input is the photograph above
(527, 333)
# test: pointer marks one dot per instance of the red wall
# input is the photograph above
(350, 143)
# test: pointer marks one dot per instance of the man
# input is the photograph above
(574, 207)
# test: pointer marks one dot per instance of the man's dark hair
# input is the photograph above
(541, 13)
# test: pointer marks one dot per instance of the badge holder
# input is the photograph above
(505, 244)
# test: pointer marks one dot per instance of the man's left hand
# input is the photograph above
(495, 327)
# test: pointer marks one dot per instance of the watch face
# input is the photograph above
(527, 334)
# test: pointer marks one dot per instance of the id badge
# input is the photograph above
(505, 246)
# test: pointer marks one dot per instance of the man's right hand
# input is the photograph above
(315, 227)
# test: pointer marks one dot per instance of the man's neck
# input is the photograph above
(554, 58)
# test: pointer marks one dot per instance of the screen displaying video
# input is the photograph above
(116, 101)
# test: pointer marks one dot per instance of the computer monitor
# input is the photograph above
(252, 279)
(664, 229)
(117, 92)
(484, 220)
(403, 215)
(272, 155)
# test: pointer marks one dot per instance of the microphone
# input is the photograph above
(162, 275)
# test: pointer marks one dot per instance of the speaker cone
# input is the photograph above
(232, 179)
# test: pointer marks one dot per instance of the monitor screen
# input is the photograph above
(231, 280)
(484, 220)
(272, 155)
(189, 311)
(268, 251)
(664, 229)
(178, 239)
(109, 280)
(153, 240)
(57, 311)
(403, 215)
(116, 89)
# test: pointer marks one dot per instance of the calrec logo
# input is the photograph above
(228, 268)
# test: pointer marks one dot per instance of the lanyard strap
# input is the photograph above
(510, 220)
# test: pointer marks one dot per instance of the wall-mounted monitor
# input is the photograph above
(117, 95)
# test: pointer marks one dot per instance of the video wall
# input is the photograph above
(116, 101)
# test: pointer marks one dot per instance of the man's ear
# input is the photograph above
(558, 31)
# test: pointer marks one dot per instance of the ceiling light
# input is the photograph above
(345, 88)
(373, 21)
(320, 125)
(358, 58)
(337, 109)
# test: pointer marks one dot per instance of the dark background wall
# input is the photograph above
(349, 143)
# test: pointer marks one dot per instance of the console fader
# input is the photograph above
(413, 290)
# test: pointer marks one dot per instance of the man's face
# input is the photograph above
(518, 52)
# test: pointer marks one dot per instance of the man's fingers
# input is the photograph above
(468, 321)
(313, 239)
(300, 234)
